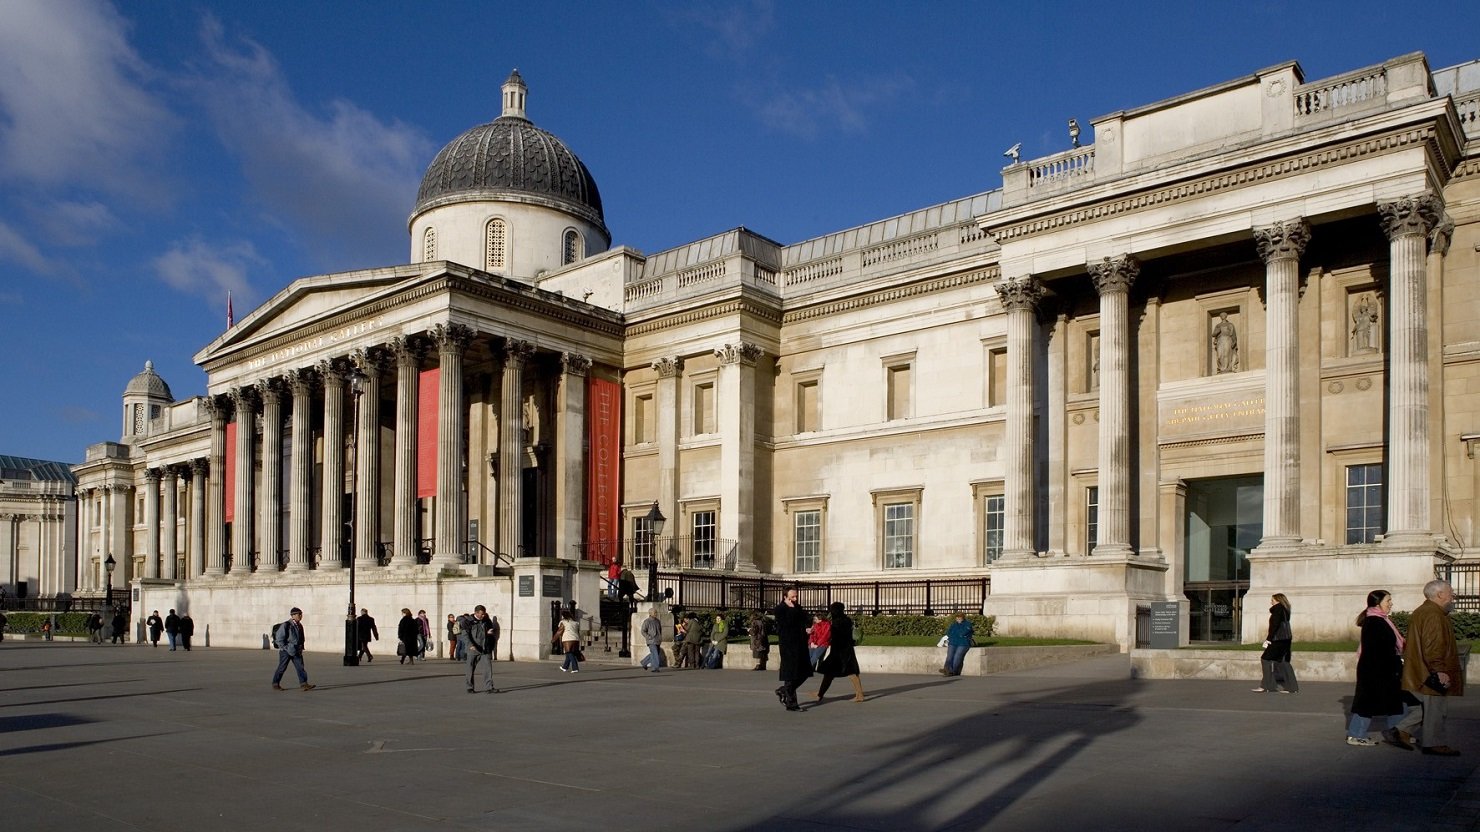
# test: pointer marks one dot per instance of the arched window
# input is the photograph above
(572, 251)
(495, 245)
(429, 245)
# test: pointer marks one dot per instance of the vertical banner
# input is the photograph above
(228, 481)
(603, 469)
(427, 417)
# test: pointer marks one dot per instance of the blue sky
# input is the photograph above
(154, 155)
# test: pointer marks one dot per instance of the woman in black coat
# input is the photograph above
(840, 659)
(1276, 656)
(791, 638)
(409, 633)
(1379, 673)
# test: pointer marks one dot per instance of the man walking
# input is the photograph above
(172, 628)
(288, 637)
(652, 633)
(478, 631)
(156, 626)
(1431, 670)
(366, 629)
(791, 636)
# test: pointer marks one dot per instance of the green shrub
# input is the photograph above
(919, 625)
(67, 623)
(1466, 624)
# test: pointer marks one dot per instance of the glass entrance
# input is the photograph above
(1225, 519)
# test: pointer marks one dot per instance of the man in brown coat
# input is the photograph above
(1431, 669)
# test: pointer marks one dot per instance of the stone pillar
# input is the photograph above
(1113, 279)
(243, 538)
(119, 538)
(270, 521)
(665, 412)
(570, 455)
(511, 449)
(300, 501)
(151, 522)
(331, 510)
(1407, 223)
(1280, 247)
(408, 350)
(1020, 298)
(216, 497)
(369, 362)
(451, 340)
(197, 557)
(735, 417)
(170, 523)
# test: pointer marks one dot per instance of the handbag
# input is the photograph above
(1433, 683)
(400, 648)
(580, 655)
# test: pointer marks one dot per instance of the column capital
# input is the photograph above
(451, 338)
(575, 364)
(668, 366)
(1442, 235)
(742, 352)
(173, 471)
(1410, 215)
(1020, 293)
(152, 475)
(516, 352)
(407, 349)
(1114, 274)
(1283, 240)
(219, 406)
(301, 380)
(243, 399)
(368, 360)
(268, 390)
(200, 467)
(332, 370)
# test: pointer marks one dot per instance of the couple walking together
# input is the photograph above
(792, 621)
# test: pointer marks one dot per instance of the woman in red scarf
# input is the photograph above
(1379, 672)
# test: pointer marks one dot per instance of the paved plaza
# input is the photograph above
(104, 738)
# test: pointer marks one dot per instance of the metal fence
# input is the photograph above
(1465, 578)
(685, 552)
(921, 596)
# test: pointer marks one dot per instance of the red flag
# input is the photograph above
(230, 316)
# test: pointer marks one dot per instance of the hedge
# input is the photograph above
(67, 623)
(866, 625)
(1466, 624)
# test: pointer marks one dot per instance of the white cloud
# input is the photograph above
(736, 29)
(16, 248)
(807, 112)
(210, 271)
(339, 178)
(74, 105)
(74, 223)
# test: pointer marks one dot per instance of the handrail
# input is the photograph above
(475, 547)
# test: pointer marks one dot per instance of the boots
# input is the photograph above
(822, 688)
(857, 688)
(791, 699)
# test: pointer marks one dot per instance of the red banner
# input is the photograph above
(427, 392)
(603, 469)
(229, 477)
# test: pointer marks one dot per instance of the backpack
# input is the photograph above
(280, 635)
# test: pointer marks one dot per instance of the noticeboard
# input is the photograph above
(550, 586)
(1166, 632)
(526, 586)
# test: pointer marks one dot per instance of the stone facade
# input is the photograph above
(1232, 346)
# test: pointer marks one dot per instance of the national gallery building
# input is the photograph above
(1229, 348)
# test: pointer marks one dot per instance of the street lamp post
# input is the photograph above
(351, 636)
(108, 566)
(655, 523)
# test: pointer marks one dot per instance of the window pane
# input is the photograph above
(994, 519)
(704, 529)
(1364, 507)
(899, 535)
(642, 543)
(808, 525)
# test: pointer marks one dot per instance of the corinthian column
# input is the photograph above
(169, 525)
(269, 391)
(242, 537)
(451, 340)
(1280, 247)
(1407, 223)
(1020, 298)
(511, 448)
(195, 562)
(735, 412)
(408, 350)
(151, 523)
(331, 529)
(216, 499)
(570, 457)
(300, 512)
(665, 412)
(1113, 279)
(369, 361)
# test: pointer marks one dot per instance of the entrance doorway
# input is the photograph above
(1225, 519)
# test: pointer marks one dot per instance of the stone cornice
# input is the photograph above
(989, 274)
(734, 306)
(1294, 164)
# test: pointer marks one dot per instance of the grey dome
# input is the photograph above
(148, 383)
(509, 156)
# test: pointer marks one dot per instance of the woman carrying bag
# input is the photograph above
(1275, 660)
(1379, 674)
(570, 641)
(840, 659)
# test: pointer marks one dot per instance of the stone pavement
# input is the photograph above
(108, 738)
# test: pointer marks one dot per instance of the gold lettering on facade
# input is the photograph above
(315, 343)
(1216, 412)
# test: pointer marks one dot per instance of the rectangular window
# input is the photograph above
(807, 409)
(643, 428)
(807, 536)
(1091, 517)
(899, 535)
(997, 377)
(995, 512)
(1363, 502)
(704, 529)
(643, 544)
(898, 383)
(703, 409)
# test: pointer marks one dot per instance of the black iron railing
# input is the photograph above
(1465, 578)
(687, 552)
(921, 596)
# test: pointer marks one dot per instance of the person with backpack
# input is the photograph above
(287, 637)
(477, 634)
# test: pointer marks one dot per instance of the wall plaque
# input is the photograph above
(551, 586)
(526, 586)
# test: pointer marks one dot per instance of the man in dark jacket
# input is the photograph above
(187, 629)
(172, 627)
(478, 631)
(791, 637)
(366, 629)
(1431, 670)
(288, 636)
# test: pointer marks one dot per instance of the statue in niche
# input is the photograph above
(531, 421)
(1364, 324)
(1225, 345)
(1094, 363)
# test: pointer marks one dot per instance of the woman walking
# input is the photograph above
(760, 645)
(570, 642)
(819, 636)
(840, 659)
(453, 631)
(1379, 673)
(425, 640)
(408, 632)
(1275, 660)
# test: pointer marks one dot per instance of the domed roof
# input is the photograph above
(510, 157)
(148, 383)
